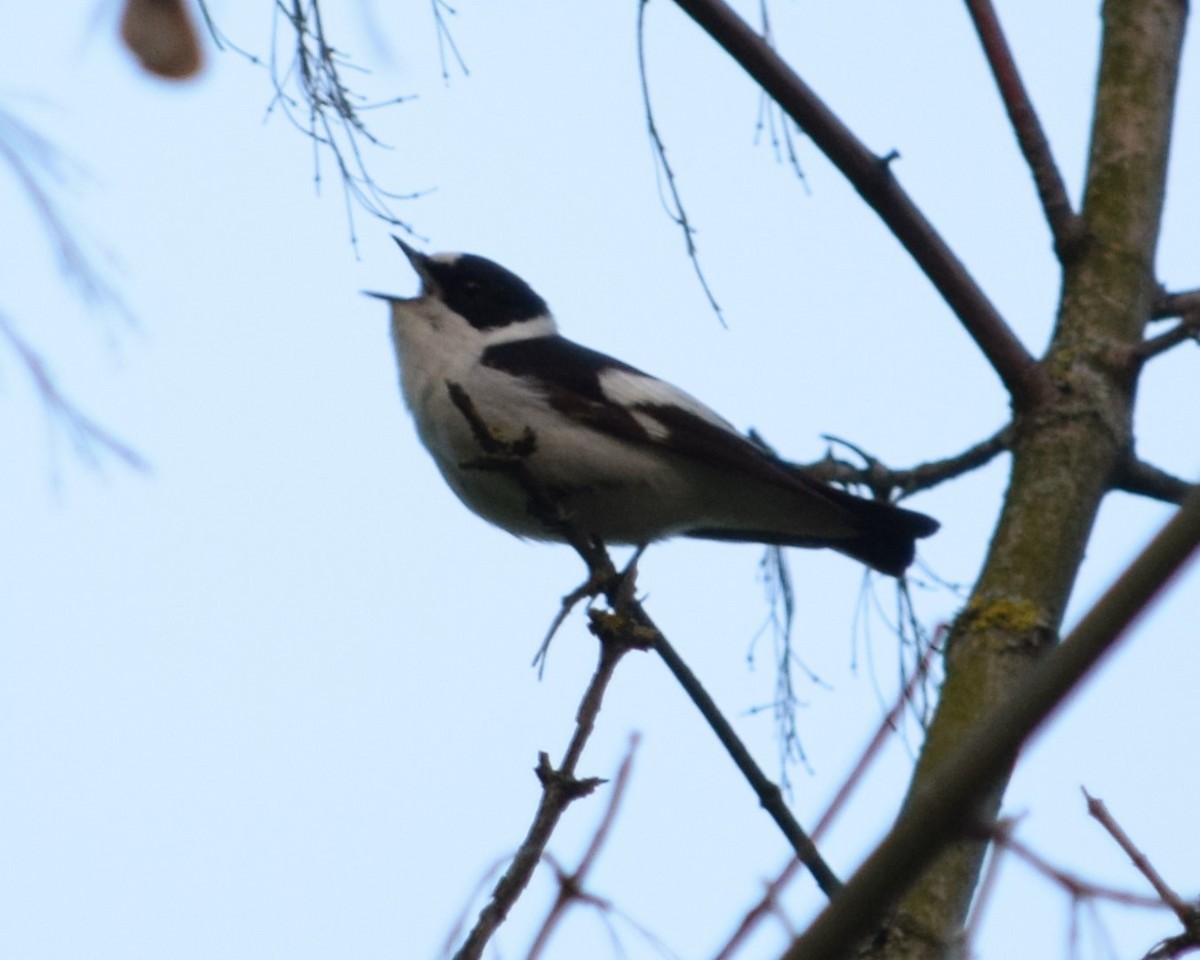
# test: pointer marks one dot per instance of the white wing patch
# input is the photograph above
(654, 429)
(630, 390)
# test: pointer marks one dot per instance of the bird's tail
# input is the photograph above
(878, 534)
(889, 533)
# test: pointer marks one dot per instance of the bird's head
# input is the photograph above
(480, 291)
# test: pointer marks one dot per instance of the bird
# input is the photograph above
(624, 457)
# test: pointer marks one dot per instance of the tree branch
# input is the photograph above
(1099, 812)
(559, 788)
(1187, 329)
(88, 437)
(1146, 480)
(668, 188)
(570, 886)
(887, 727)
(871, 177)
(1187, 914)
(1176, 304)
(628, 626)
(887, 484)
(938, 814)
(1065, 225)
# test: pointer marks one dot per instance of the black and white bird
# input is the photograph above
(625, 457)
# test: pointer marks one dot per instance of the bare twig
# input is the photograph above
(888, 484)
(1075, 886)
(988, 883)
(871, 176)
(769, 795)
(570, 885)
(771, 117)
(1188, 914)
(39, 167)
(671, 200)
(887, 726)
(1065, 225)
(312, 92)
(1146, 480)
(939, 814)
(1173, 947)
(442, 11)
(89, 438)
(559, 788)
(628, 626)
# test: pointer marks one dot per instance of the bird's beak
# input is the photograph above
(420, 263)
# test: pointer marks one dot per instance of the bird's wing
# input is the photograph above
(605, 394)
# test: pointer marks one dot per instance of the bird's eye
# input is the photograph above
(472, 288)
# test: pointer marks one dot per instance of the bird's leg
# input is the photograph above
(626, 581)
(602, 578)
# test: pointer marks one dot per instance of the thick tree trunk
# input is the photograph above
(1069, 445)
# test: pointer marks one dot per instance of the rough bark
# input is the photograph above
(1069, 446)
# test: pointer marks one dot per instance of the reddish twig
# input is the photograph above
(1188, 914)
(1076, 887)
(935, 817)
(871, 176)
(770, 898)
(559, 788)
(88, 437)
(1065, 225)
(570, 885)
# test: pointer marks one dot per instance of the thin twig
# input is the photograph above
(1065, 225)
(1187, 914)
(559, 788)
(871, 176)
(887, 726)
(783, 143)
(937, 815)
(313, 94)
(888, 484)
(445, 39)
(570, 885)
(673, 204)
(988, 883)
(769, 794)
(627, 627)
(88, 437)
(1075, 886)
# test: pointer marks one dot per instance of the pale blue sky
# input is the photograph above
(272, 699)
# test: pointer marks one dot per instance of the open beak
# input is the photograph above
(420, 263)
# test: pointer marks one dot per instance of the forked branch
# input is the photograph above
(1176, 304)
(942, 811)
(1188, 914)
(871, 176)
(1188, 328)
(627, 627)
(888, 484)
(560, 787)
